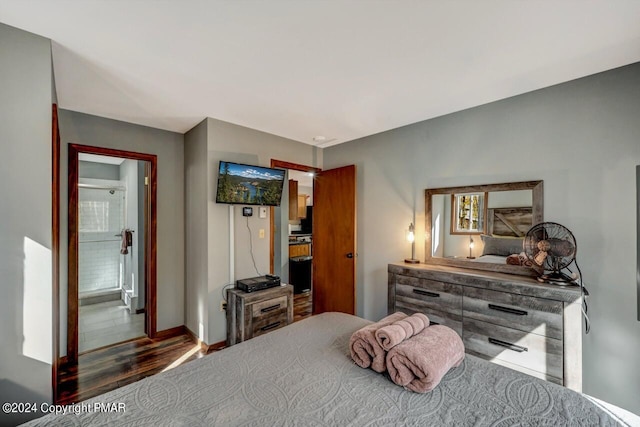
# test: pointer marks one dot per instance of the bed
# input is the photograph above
(302, 375)
(506, 228)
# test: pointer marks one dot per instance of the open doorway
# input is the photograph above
(111, 224)
(300, 230)
(112, 251)
(292, 235)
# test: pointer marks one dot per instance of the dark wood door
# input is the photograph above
(334, 240)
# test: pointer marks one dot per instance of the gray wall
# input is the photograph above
(25, 227)
(91, 130)
(98, 170)
(226, 141)
(196, 249)
(235, 143)
(581, 138)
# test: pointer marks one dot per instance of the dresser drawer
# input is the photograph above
(421, 294)
(454, 321)
(542, 355)
(269, 308)
(529, 314)
(267, 324)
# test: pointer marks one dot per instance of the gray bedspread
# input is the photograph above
(302, 375)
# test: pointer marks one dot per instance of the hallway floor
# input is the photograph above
(107, 323)
(103, 370)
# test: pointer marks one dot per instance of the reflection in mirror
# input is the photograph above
(509, 215)
(468, 213)
(482, 226)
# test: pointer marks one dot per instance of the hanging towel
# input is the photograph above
(124, 246)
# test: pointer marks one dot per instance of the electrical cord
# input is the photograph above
(585, 294)
(251, 248)
(224, 291)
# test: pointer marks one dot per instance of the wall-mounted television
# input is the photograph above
(249, 185)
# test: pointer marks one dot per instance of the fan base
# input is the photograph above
(557, 278)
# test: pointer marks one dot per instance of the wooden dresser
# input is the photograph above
(250, 314)
(513, 321)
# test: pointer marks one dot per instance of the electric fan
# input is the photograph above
(551, 248)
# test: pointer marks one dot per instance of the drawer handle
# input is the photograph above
(508, 345)
(426, 293)
(271, 326)
(508, 310)
(270, 308)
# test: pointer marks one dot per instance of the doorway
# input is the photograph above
(292, 235)
(111, 207)
(112, 251)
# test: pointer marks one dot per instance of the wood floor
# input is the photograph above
(106, 369)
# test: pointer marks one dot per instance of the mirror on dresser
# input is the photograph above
(480, 226)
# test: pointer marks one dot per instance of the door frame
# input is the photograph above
(55, 245)
(150, 241)
(281, 164)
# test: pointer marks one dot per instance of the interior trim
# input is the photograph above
(172, 332)
(204, 346)
(281, 164)
(62, 361)
(55, 246)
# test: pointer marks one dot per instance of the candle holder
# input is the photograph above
(471, 248)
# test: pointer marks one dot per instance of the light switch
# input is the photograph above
(261, 233)
(262, 212)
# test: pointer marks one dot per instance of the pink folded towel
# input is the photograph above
(400, 330)
(420, 362)
(364, 348)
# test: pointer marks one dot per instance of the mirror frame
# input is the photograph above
(537, 211)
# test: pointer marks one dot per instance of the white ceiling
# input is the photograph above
(299, 69)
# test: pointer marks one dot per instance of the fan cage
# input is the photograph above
(550, 246)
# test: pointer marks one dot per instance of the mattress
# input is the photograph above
(302, 375)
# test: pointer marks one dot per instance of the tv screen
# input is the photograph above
(249, 185)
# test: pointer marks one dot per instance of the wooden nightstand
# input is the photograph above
(250, 314)
(302, 306)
